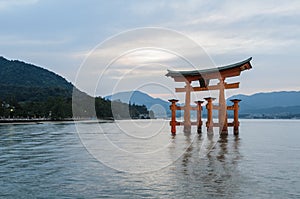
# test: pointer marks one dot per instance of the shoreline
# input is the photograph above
(87, 121)
(42, 121)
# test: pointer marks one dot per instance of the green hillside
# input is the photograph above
(26, 82)
(28, 91)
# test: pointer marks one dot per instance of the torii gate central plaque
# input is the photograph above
(204, 77)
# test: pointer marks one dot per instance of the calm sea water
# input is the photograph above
(108, 160)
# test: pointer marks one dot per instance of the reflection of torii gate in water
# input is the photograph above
(204, 77)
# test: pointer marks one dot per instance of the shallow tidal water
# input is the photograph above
(134, 159)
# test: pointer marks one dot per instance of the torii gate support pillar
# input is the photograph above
(223, 124)
(199, 116)
(236, 122)
(209, 107)
(187, 108)
(173, 121)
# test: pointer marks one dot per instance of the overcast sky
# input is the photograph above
(107, 39)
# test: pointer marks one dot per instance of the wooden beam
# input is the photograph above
(232, 85)
(192, 108)
(230, 124)
(179, 123)
(216, 124)
(179, 107)
(231, 108)
(215, 107)
(177, 90)
(214, 87)
(182, 123)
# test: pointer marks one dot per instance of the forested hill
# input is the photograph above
(26, 82)
(28, 91)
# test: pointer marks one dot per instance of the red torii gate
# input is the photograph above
(204, 77)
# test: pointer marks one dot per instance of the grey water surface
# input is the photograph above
(51, 160)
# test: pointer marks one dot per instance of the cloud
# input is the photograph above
(250, 26)
(8, 4)
(18, 41)
(60, 34)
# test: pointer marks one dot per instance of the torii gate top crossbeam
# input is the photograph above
(203, 76)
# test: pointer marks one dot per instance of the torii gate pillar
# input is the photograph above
(223, 126)
(187, 115)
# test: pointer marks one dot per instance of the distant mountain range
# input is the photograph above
(157, 105)
(269, 100)
(284, 104)
(273, 104)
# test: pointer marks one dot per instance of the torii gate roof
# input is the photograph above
(231, 70)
